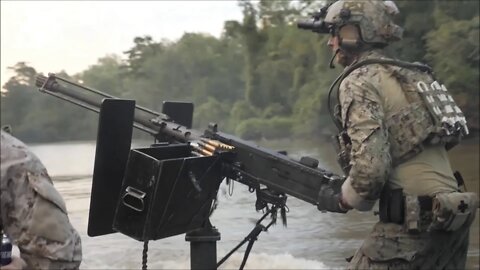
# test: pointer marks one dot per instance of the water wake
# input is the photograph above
(255, 261)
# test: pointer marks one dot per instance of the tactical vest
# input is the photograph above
(431, 118)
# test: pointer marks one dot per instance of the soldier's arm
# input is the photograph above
(33, 213)
(17, 263)
(362, 116)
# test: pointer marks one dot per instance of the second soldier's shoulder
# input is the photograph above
(11, 144)
(15, 155)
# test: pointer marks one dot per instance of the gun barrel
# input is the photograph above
(52, 87)
(145, 119)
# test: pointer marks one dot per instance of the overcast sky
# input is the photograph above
(72, 35)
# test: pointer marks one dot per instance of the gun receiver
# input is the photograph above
(240, 160)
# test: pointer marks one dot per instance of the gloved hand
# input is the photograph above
(329, 201)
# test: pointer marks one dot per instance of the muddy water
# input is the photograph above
(312, 240)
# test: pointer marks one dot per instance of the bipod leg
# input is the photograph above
(203, 247)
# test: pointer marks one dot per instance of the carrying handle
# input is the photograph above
(133, 198)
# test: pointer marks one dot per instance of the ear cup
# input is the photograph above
(349, 38)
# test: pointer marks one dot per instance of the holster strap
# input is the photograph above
(392, 205)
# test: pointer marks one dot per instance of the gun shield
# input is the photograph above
(113, 145)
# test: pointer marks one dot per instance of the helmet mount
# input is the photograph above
(345, 14)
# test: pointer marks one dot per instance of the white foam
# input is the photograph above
(268, 261)
(255, 261)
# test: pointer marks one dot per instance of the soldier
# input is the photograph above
(33, 213)
(396, 123)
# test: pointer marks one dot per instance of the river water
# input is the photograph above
(312, 240)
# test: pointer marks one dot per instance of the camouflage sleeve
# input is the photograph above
(33, 213)
(363, 119)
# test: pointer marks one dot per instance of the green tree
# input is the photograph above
(457, 67)
(106, 76)
(252, 41)
(263, 78)
(144, 48)
(16, 100)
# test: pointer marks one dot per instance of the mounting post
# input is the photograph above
(203, 247)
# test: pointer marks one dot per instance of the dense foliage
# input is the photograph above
(263, 78)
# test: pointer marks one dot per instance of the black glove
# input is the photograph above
(330, 201)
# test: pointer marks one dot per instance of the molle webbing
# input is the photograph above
(354, 66)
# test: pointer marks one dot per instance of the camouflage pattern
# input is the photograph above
(389, 246)
(385, 122)
(431, 110)
(33, 213)
(413, 213)
(452, 210)
(374, 18)
(362, 116)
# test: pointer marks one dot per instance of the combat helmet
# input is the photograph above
(374, 19)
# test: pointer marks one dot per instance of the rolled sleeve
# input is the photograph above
(370, 161)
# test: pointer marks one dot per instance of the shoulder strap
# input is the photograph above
(356, 65)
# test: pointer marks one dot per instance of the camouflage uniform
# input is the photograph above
(393, 136)
(33, 213)
(371, 98)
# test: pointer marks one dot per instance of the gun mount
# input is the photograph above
(170, 187)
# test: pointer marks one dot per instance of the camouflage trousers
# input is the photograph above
(390, 246)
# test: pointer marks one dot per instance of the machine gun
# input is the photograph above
(169, 188)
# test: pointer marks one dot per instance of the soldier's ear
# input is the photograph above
(349, 37)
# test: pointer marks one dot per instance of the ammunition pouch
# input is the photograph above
(418, 213)
(412, 211)
(391, 206)
(445, 211)
(453, 210)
